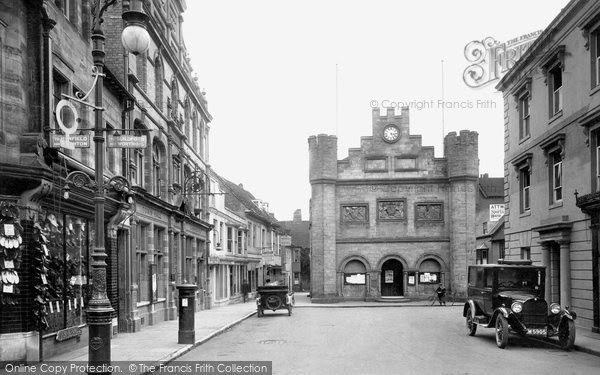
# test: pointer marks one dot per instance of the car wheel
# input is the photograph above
(566, 334)
(273, 302)
(501, 331)
(471, 326)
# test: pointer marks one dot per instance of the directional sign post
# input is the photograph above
(70, 141)
(126, 141)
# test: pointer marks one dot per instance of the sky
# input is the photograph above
(276, 72)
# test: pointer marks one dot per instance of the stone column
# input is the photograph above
(565, 274)
(47, 79)
(169, 169)
(546, 262)
(195, 275)
(375, 284)
(134, 321)
(172, 296)
(368, 285)
(185, 277)
(340, 283)
(152, 316)
(595, 274)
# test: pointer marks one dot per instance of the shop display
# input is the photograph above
(10, 254)
(62, 269)
(40, 254)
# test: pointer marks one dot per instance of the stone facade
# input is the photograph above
(391, 219)
(263, 249)
(233, 258)
(551, 159)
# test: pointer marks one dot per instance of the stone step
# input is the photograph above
(393, 299)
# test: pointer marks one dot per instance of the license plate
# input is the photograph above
(537, 331)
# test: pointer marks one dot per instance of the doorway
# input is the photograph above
(554, 270)
(392, 276)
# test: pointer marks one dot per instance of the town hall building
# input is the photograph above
(391, 219)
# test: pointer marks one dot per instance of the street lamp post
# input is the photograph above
(99, 313)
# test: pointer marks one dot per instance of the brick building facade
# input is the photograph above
(153, 242)
(391, 219)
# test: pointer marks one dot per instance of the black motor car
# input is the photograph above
(509, 296)
(274, 297)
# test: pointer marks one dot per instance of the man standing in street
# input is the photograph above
(441, 294)
(245, 290)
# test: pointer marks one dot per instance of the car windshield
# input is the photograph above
(519, 279)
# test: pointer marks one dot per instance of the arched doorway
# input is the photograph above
(392, 277)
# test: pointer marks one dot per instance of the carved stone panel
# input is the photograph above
(429, 212)
(355, 213)
(391, 210)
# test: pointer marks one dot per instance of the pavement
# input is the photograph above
(158, 343)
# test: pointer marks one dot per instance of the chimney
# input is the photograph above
(298, 215)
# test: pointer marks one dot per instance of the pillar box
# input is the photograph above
(187, 301)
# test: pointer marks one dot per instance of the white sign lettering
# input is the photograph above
(496, 211)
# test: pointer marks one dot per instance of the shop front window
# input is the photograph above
(68, 269)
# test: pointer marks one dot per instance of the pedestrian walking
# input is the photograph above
(245, 290)
(441, 294)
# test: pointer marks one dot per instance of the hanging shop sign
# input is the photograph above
(285, 241)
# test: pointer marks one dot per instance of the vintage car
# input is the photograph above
(274, 297)
(509, 296)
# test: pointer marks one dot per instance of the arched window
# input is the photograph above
(189, 199)
(202, 130)
(158, 83)
(174, 99)
(187, 119)
(138, 158)
(141, 62)
(430, 272)
(355, 273)
(195, 131)
(156, 168)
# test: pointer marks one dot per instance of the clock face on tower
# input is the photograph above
(391, 133)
